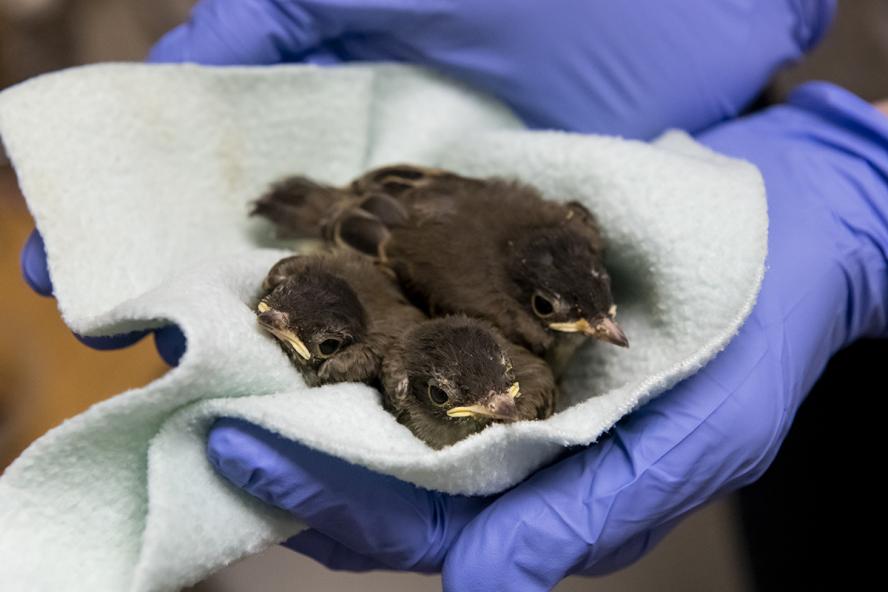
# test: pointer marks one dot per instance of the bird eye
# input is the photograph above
(328, 347)
(542, 306)
(437, 395)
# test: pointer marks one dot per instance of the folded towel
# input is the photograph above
(140, 178)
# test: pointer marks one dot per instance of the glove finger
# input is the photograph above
(323, 55)
(170, 343)
(244, 32)
(270, 31)
(33, 264)
(331, 554)
(378, 516)
(36, 274)
(109, 342)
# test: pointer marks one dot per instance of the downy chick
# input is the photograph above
(488, 248)
(452, 377)
(341, 319)
(335, 314)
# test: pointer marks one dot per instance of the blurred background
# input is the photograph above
(783, 529)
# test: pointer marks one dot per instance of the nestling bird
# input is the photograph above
(341, 319)
(452, 377)
(335, 314)
(490, 248)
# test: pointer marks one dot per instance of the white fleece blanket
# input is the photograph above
(139, 178)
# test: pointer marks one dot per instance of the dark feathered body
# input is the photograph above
(489, 248)
(381, 339)
(469, 244)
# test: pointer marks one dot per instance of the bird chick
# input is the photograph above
(335, 314)
(490, 248)
(341, 319)
(451, 377)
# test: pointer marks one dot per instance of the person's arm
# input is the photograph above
(824, 157)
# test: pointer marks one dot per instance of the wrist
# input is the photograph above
(856, 135)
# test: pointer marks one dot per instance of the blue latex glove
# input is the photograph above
(627, 67)
(824, 157)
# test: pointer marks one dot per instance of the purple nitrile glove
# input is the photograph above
(419, 525)
(824, 157)
(631, 68)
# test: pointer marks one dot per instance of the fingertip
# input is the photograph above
(236, 448)
(323, 55)
(171, 344)
(33, 265)
(109, 342)
(816, 17)
(171, 48)
(239, 33)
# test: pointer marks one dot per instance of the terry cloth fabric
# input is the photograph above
(140, 177)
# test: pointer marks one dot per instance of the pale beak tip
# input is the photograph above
(612, 333)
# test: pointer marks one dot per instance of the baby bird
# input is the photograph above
(342, 319)
(490, 248)
(335, 314)
(454, 376)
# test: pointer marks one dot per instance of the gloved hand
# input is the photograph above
(630, 68)
(824, 157)
(714, 432)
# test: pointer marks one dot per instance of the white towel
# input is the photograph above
(139, 178)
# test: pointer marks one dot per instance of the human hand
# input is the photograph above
(825, 164)
(632, 68)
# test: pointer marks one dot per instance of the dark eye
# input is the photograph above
(328, 347)
(437, 395)
(542, 306)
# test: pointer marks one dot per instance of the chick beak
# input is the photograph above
(275, 322)
(497, 406)
(605, 329)
(608, 330)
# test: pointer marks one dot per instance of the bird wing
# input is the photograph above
(396, 179)
(539, 391)
(298, 206)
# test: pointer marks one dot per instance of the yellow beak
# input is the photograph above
(293, 340)
(500, 406)
(284, 335)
